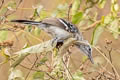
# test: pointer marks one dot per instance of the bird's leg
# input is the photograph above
(58, 41)
(55, 40)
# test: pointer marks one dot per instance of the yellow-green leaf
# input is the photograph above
(3, 35)
(77, 17)
(102, 3)
(38, 75)
(15, 74)
(96, 34)
(114, 28)
(78, 76)
(75, 6)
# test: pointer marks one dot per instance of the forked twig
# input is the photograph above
(108, 62)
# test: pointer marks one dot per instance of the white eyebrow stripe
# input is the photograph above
(64, 24)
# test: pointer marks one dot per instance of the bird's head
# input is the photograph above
(85, 47)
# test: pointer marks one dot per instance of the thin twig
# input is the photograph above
(31, 68)
(8, 29)
(67, 69)
(2, 2)
(14, 10)
(109, 51)
(108, 62)
(70, 6)
(92, 25)
(108, 72)
(35, 70)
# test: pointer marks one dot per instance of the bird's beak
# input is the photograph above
(91, 59)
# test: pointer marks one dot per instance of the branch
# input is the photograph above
(68, 43)
(65, 46)
(43, 47)
(92, 25)
(108, 62)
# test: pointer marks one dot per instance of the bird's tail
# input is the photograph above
(27, 22)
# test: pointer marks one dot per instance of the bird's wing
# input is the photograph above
(61, 23)
(54, 22)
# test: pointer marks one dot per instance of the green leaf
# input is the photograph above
(35, 13)
(96, 33)
(102, 3)
(29, 28)
(84, 58)
(26, 46)
(38, 75)
(15, 74)
(44, 14)
(3, 10)
(11, 4)
(3, 35)
(108, 19)
(61, 11)
(116, 7)
(114, 28)
(77, 17)
(42, 61)
(37, 31)
(75, 6)
(78, 76)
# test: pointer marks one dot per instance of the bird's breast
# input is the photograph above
(58, 32)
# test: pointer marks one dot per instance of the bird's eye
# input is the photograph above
(89, 49)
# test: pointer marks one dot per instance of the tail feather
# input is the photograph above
(26, 22)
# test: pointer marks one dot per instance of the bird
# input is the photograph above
(61, 29)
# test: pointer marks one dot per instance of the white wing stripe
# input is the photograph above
(66, 26)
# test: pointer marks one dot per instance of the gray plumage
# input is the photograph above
(62, 30)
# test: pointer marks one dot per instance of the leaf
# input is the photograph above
(38, 9)
(37, 31)
(61, 11)
(15, 74)
(42, 61)
(102, 3)
(38, 75)
(77, 17)
(40, 13)
(78, 76)
(3, 35)
(29, 28)
(96, 34)
(35, 13)
(3, 11)
(11, 17)
(25, 46)
(108, 19)
(114, 28)
(84, 58)
(11, 4)
(5, 53)
(75, 6)
(44, 14)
